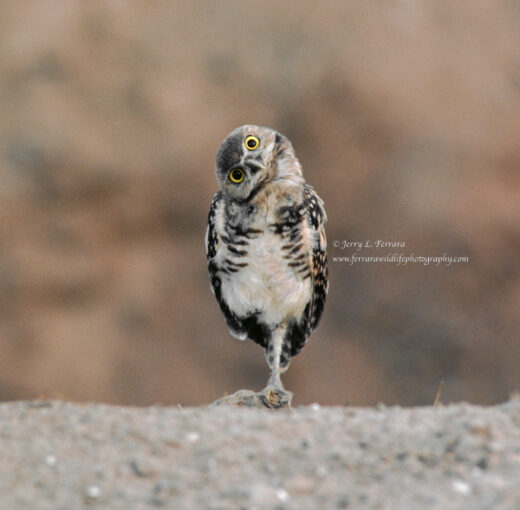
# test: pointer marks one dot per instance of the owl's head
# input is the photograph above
(251, 156)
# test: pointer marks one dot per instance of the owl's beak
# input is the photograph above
(253, 165)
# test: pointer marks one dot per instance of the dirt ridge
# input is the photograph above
(64, 455)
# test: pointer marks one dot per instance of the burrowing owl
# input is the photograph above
(266, 248)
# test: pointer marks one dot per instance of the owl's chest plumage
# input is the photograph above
(267, 286)
(264, 263)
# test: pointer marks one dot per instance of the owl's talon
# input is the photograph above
(275, 397)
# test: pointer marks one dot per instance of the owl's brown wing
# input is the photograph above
(299, 330)
(317, 217)
(213, 245)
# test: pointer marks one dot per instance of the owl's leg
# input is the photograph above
(274, 394)
(285, 358)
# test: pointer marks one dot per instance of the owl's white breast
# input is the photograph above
(267, 285)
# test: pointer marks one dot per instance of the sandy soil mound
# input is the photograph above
(60, 455)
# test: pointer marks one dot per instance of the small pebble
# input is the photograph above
(282, 495)
(461, 487)
(50, 460)
(321, 471)
(93, 492)
(193, 437)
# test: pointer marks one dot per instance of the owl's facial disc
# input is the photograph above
(240, 166)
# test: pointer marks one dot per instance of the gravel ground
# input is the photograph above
(65, 456)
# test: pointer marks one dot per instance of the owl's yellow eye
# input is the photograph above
(251, 142)
(236, 175)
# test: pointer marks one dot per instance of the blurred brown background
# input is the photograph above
(406, 118)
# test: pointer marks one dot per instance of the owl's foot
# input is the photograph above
(276, 397)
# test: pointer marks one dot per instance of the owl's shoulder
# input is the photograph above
(212, 236)
(314, 206)
(217, 200)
